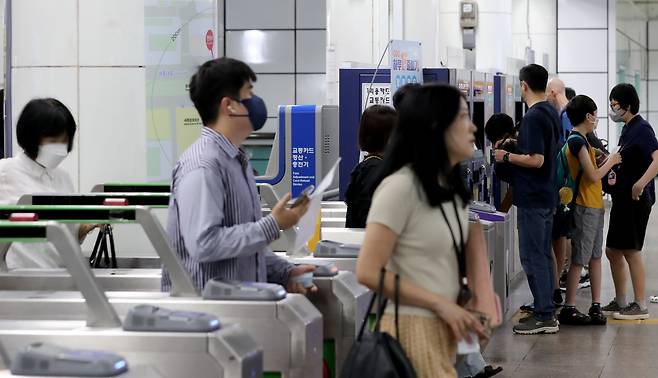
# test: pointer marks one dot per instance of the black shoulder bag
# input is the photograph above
(376, 353)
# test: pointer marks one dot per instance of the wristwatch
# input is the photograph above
(506, 157)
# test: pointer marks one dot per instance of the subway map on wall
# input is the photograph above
(180, 35)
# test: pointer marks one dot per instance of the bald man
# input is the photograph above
(556, 94)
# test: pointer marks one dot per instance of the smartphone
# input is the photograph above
(305, 193)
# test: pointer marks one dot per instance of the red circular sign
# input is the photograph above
(210, 39)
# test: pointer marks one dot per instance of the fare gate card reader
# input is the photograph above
(243, 290)
(482, 207)
(147, 318)
(55, 361)
(322, 268)
(328, 248)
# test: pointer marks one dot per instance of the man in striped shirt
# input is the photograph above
(215, 223)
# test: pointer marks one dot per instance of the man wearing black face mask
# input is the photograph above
(215, 222)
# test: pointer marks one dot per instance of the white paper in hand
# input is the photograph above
(306, 225)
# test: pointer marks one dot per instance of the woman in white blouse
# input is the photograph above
(45, 132)
(418, 225)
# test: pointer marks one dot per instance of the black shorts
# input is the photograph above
(628, 224)
(561, 226)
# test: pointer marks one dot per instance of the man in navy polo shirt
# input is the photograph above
(535, 196)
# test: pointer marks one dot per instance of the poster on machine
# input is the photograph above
(405, 63)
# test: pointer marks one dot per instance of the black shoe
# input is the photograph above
(584, 281)
(489, 371)
(528, 307)
(563, 281)
(533, 326)
(571, 316)
(557, 298)
(596, 315)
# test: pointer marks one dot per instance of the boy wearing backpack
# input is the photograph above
(578, 159)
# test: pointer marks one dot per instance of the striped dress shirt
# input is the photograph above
(215, 223)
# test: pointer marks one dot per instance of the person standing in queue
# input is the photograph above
(215, 222)
(377, 123)
(633, 194)
(535, 197)
(418, 226)
(45, 131)
(556, 96)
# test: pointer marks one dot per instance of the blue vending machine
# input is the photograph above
(354, 86)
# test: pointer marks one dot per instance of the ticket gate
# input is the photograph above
(227, 352)
(502, 240)
(288, 328)
(343, 303)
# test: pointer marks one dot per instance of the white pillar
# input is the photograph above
(421, 23)
(584, 61)
(357, 33)
(450, 36)
(493, 36)
(533, 25)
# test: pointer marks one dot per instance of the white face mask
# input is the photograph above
(52, 154)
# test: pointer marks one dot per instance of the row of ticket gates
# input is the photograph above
(80, 321)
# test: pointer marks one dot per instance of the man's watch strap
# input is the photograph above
(506, 157)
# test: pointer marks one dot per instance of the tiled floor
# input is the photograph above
(620, 349)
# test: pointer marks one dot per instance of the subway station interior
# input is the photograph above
(328, 188)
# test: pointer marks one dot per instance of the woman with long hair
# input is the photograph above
(417, 226)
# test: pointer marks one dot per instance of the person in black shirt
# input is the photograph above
(377, 123)
(501, 132)
(535, 196)
(632, 188)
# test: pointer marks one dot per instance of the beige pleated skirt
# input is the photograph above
(428, 343)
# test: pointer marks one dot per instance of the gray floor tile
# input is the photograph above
(533, 370)
(628, 370)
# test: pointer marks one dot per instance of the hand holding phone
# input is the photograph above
(304, 194)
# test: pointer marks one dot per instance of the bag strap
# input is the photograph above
(397, 305)
(381, 302)
(579, 176)
(381, 299)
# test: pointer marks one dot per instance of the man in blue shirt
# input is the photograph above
(215, 222)
(556, 96)
(535, 196)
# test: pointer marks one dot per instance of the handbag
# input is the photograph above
(376, 353)
(104, 249)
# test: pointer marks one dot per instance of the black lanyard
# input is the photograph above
(464, 291)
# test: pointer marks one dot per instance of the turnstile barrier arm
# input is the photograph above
(268, 195)
(99, 311)
(25, 199)
(181, 283)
